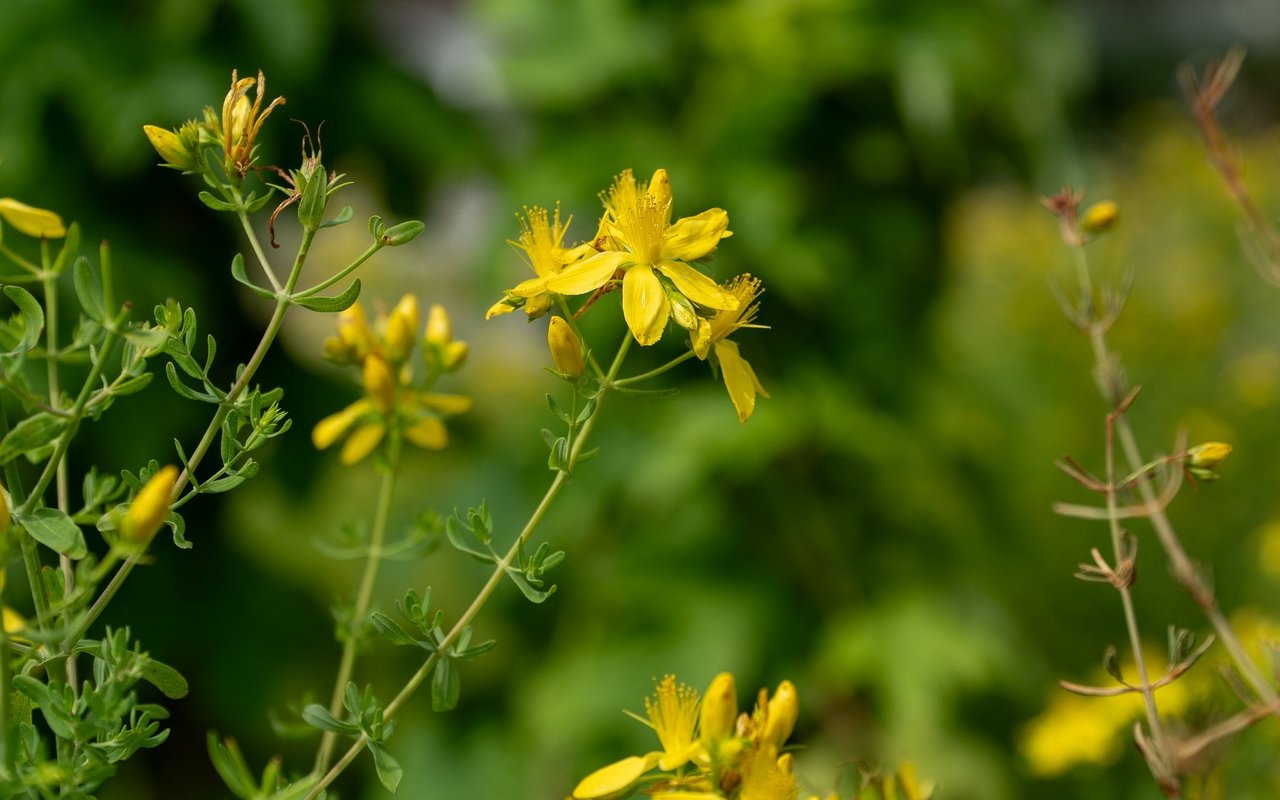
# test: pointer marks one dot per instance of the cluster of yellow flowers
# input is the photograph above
(639, 249)
(395, 401)
(709, 751)
(235, 130)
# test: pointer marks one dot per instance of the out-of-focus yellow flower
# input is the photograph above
(149, 508)
(1208, 455)
(566, 348)
(541, 244)
(646, 247)
(32, 221)
(705, 755)
(1269, 548)
(1100, 217)
(238, 125)
(392, 401)
(739, 378)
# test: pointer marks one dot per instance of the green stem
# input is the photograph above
(653, 373)
(499, 574)
(249, 233)
(342, 273)
(363, 598)
(36, 272)
(268, 337)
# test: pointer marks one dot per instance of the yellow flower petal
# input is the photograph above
(585, 276)
(331, 428)
(615, 777)
(499, 308)
(150, 507)
(692, 238)
(362, 442)
(739, 379)
(644, 304)
(32, 221)
(13, 621)
(698, 287)
(379, 382)
(444, 403)
(428, 433)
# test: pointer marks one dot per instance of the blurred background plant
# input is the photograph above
(880, 532)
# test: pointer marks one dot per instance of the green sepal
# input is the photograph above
(329, 305)
(32, 317)
(313, 195)
(238, 272)
(32, 433)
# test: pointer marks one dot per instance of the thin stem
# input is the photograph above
(496, 578)
(249, 233)
(342, 273)
(653, 373)
(363, 597)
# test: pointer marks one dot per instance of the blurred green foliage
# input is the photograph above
(879, 533)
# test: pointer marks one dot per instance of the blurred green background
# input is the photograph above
(879, 532)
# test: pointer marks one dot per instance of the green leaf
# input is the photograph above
(446, 686)
(329, 305)
(146, 338)
(165, 678)
(558, 458)
(650, 394)
(183, 389)
(70, 248)
(88, 289)
(477, 651)
(231, 767)
(32, 317)
(133, 385)
(389, 771)
(253, 205)
(314, 194)
(531, 593)
(317, 716)
(214, 203)
(222, 484)
(343, 216)
(392, 630)
(55, 530)
(237, 272)
(32, 433)
(376, 226)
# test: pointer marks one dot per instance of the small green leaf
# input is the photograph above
(314, 194)
(231, 767)
(392, 630)
(183, 389)
(446, 686)
(225, 484)
(237, 272)
(133, 385)
(214, 203)
(329, 305)
(55, 530)
(389, 771)
(32, 317)
(532, 594)
(88, 289)
(477, 651)
(317, 716)
(70, 248)
(32, 433)
(165, 678)
(376, 226)
(343, 216)
(253, 205)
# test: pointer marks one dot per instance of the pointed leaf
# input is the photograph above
(88, 289)
(333, 304)
(55, 530)
(317, 716)
(165, 678)
(389, 771)
(214, 203)
(32, 433)
(237, 272)
(446, 686)
(344, 215)
(32, 317)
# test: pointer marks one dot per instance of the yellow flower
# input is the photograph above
(35, 222)
(719, 709)
(149, 508)
(177, 148)
(767, 777)
(391, 401)
(644, 245)
(1208, 455)
(739, 378)
(541, 243)
(1100, 217)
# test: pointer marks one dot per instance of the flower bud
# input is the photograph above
(353, 331)
(783, 709)
(169, 146)
(719, 708)
(1208, 455)
(379, 383)
(455, 355)
(149, 508)
(35, 222)
(1100, 217)
(403, 233)
(439, 329)
(566, 349)
(402, 327)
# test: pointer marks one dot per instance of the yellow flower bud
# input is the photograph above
(439, 329)
(566, 349)
(149, 508)
(660, 187)
(34, 222)
(498, 309)
(455, 355)
(379, 383)
(783, 709)
(170, 147)
(402, 327)
(1100, 217)
(428, 433)
(240, 113)
(1208, 455)
(719, 709)
(354, 332)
